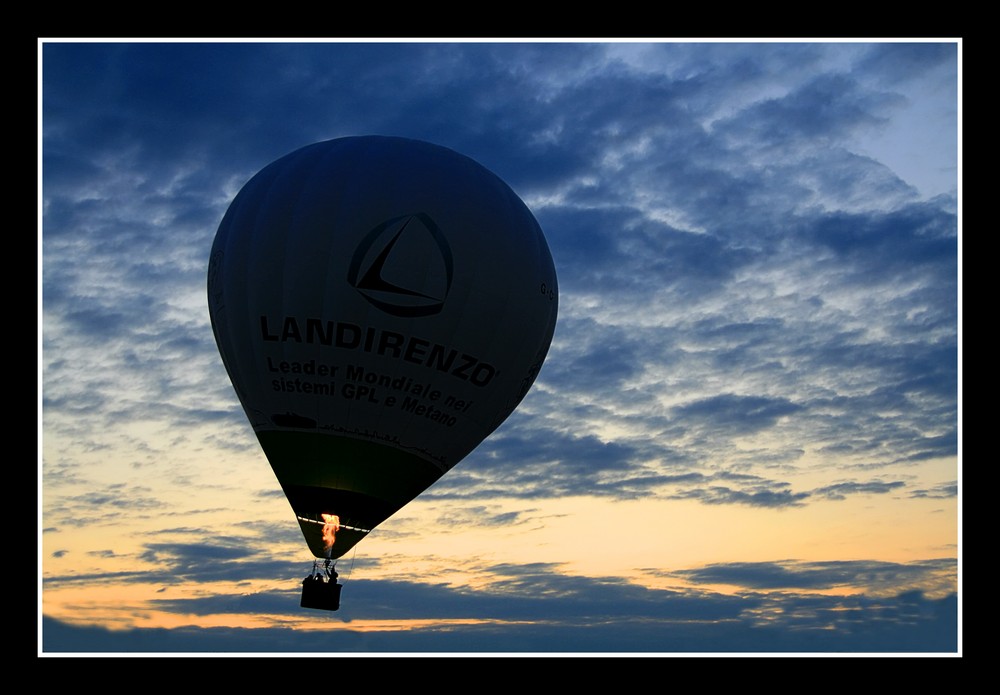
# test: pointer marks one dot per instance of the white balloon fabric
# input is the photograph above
(381, 305)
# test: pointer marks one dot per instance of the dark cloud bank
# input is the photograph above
(537, 608)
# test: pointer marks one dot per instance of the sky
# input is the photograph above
(745, 438)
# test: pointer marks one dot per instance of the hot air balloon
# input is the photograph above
(381, 305)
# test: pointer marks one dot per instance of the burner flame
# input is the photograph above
(331, 524)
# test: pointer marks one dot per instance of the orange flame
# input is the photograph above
(331, 524)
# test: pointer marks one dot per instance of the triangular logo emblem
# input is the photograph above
(403, 266)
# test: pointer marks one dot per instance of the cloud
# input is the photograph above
(865, 575)
(827, 107)
(839, 491)
(735, 413)
(535, 608)
(752, 498)
(897, 62)
(942, 491)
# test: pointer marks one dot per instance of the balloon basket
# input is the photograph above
(321, 590)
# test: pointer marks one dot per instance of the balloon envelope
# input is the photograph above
(381, 306)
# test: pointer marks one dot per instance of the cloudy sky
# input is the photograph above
(745, 437)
